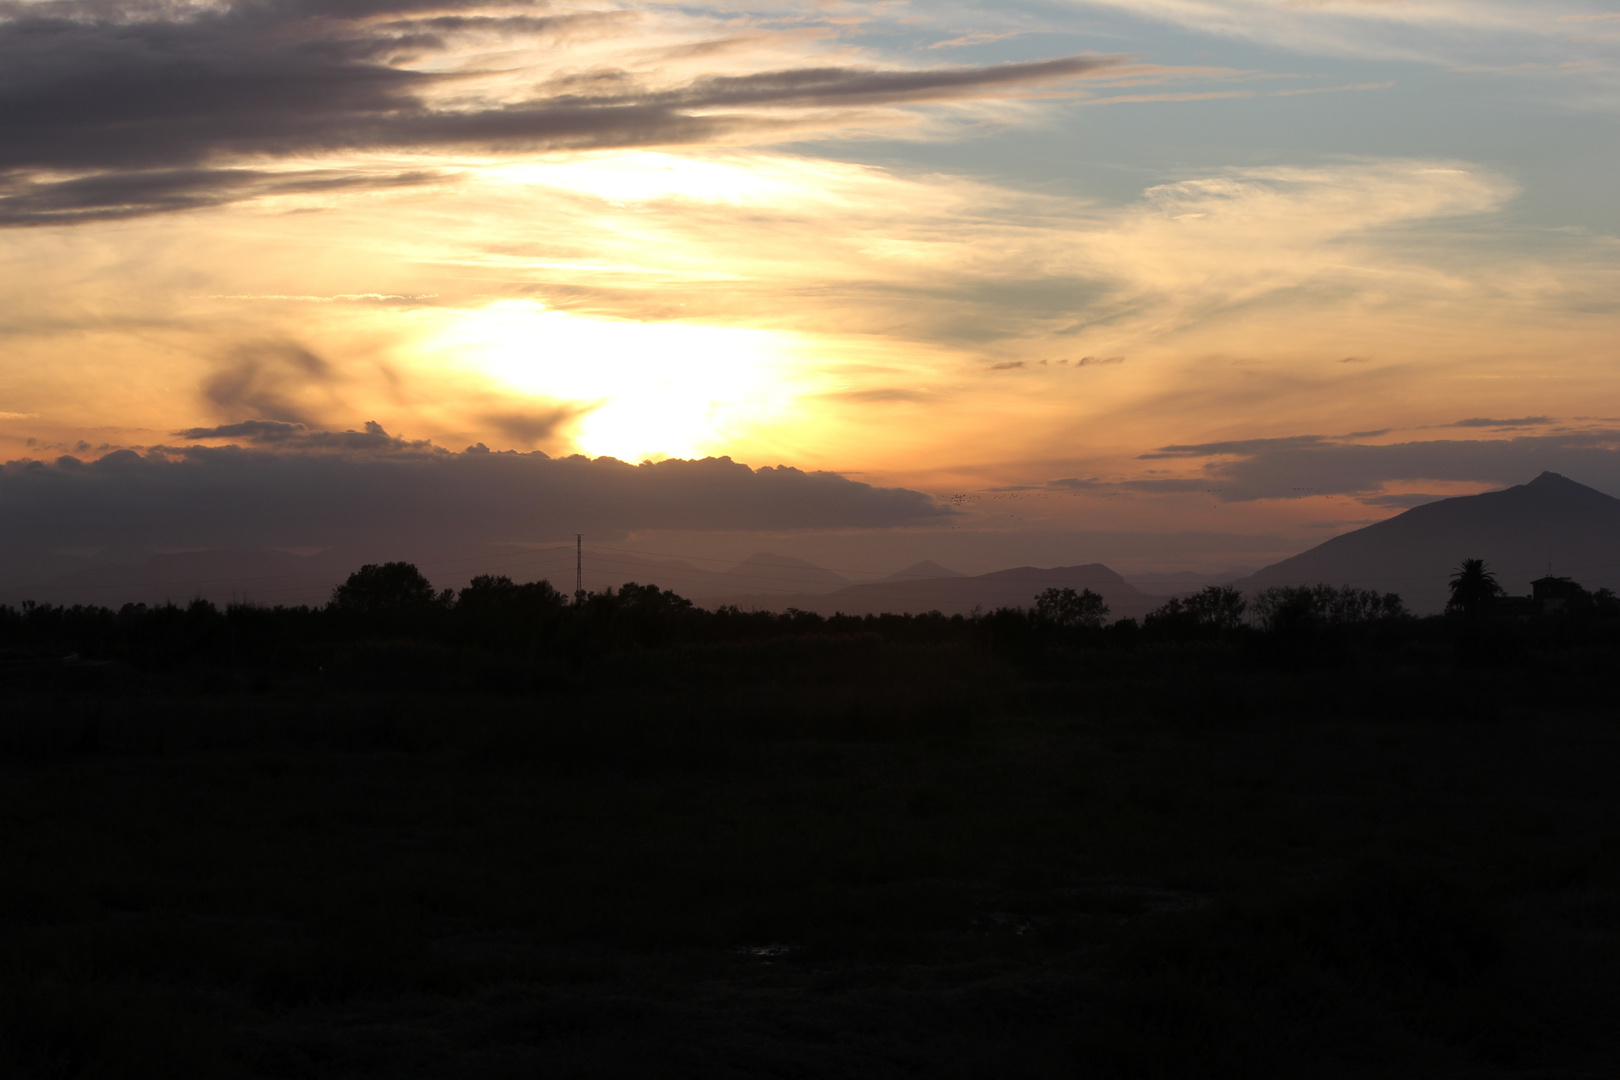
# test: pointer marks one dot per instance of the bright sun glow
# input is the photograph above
(649, 390)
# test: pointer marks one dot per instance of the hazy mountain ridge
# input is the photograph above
(1552, 524)
(767, 572)
(960, 595)
(926, 570)
(266, 577)
(1178, 582)
(275, 577)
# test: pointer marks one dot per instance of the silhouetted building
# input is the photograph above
(1554, 593)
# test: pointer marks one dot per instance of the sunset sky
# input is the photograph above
(1161, 283)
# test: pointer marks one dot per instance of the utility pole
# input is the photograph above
(579, 568)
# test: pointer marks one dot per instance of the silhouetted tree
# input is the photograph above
(389, 587)
(641, 615)
(391, 599)
(1606, 604)
(1473, 589)
(1070, 609)
(1285, 608)
(1217, 609)
(498, 613)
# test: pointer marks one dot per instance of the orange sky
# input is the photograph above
(981, 286)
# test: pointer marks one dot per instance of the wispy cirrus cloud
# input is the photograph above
(118, 110)
(1356, 26)
(1562, 39)
(926, 280)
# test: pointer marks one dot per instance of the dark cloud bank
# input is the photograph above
(120, 109)
(1304, 465)
(370, 491)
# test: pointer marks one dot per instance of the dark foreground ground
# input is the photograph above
(814, 858)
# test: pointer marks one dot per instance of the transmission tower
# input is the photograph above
(579, 568)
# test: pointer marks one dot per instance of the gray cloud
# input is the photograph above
(1319, 465)
(25, 201)
(284, 436)
(531, 427)
(1398, 502)
(865, 86)
(253, 431)
(267, 381)
(1485, 422)
(880, 396)
(1152, 485)
(149, 104)
(1166, 486)
(374, 491)
(1237, 447)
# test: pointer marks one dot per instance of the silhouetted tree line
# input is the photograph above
(391, 608)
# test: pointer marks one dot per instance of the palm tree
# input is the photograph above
(1473, 587)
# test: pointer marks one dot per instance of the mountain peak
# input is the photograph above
(1560, 489)
(923, 571)
(1516, 530)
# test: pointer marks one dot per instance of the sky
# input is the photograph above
(1162, 283)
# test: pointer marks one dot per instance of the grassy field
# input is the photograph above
(819, 857)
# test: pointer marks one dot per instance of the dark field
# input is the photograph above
(818, 856)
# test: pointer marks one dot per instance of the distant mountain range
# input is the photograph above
(763, 581)
(274, 577)
(961, 594)
(1184, 581)
(765, 572)
(923, 571)
(263, 577)
(1550, 525)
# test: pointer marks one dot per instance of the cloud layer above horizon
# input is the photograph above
(952, 247)
(369, 489)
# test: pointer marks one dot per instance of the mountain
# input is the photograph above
(768, 573)
(761, 573)
(274, 577)
(266, 577)
(959, 595)
(1185, 581)
(610, 568)
(923, 571)
(1551, 523)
